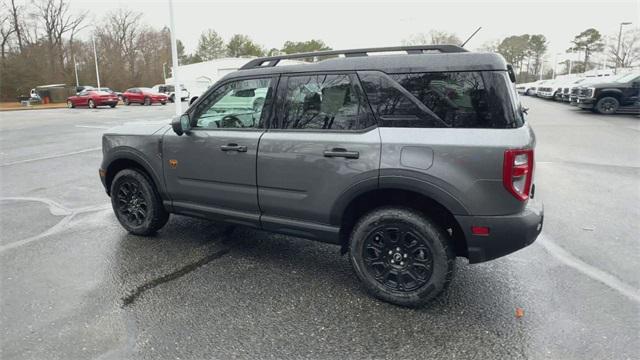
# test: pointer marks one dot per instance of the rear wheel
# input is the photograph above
(607, 105)
(147, 101)
(401, 256)
(136, 203)
(164, 103)
(92, 104)
(112, 105)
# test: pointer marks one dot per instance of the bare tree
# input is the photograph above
(6, 29)
(629, 53)
(16, 22)
(57, 21)
(121, 32)
(434, 37)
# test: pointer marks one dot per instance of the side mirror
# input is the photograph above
(181, 124)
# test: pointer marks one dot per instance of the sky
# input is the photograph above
(355, 24)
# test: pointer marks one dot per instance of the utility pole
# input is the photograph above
(615, 71)
(174, 60)
(570, 65)
(75, 66)
(164, 72)
(95, 55)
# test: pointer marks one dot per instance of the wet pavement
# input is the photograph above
(75, 285)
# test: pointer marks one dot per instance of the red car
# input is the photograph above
(144, 96)
(92, 99)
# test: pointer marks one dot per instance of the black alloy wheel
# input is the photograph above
(607, 105)
(132, 205)
(401, 256)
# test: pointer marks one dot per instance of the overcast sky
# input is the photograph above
(349, 24)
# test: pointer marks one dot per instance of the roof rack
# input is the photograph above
(271, 61)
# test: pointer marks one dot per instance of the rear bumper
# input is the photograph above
(507, 233)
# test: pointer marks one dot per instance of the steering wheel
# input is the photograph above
(230, 121)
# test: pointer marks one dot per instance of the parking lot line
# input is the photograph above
(51, 156)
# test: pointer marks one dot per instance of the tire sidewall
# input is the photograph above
(92, 104)
(608, 98)
(442, 258)
(149, 194)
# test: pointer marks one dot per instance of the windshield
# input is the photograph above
(627, 78)
(146, 89)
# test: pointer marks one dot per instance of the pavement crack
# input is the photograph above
(138, 291)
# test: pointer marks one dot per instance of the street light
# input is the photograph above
(618, 49)
(174, 60)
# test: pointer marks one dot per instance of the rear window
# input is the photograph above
(480, 99)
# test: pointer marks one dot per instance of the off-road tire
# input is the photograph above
(607, 105)
(156, 215)
(432, 240)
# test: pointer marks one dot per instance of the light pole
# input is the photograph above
(95, 56)
(164, 72)
(615, 71)
(174, 60)
(75, 66)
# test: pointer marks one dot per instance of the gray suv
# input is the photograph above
(404, 160)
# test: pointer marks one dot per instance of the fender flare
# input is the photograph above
(131, 154)
(396, 182)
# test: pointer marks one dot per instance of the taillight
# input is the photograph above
(517, 172)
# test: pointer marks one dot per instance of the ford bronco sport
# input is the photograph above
(404, 160)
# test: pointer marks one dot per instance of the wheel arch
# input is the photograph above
(366, 197)
(126, 160)
(616, 93)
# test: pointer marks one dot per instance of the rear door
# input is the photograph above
(323, 141)
(211, 170)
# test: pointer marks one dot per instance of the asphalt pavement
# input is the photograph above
(75, 285)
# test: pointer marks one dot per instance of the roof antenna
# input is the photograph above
(469, 38)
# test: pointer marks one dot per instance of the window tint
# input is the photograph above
(331, 102)
(445, 99)
(237, 104)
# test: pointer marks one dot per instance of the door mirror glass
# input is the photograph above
(181, 124)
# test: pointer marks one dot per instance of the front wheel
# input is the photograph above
(92, 104)
(70, 104)
(112, 105)
(127, 102)
(607, 105)
(136, 203)
(164, 103)
(401, 256)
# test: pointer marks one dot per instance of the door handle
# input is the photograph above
(233, 147)
(340, 152)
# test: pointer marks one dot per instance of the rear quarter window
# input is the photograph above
(473, 99)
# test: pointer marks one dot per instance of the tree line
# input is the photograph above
(39, 45)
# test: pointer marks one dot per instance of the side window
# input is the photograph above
(443, 99)
(237, 104)
(331, 102)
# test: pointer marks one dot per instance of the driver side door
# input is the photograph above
(211, 170)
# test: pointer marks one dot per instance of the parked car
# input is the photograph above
(116, 93)
(530, 89)
(92, 99)
(403, 170)
(620, 95)
(575, 90)
(170, 91)
(144, 96)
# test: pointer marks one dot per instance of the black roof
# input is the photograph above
(448, 58)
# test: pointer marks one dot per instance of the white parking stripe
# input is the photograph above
(51, 156)
(93, 127)
(591, 271)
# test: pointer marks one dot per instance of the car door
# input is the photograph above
(211, 171)
(324, 142)
(82, 99)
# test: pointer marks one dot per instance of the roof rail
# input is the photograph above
(271, 61)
